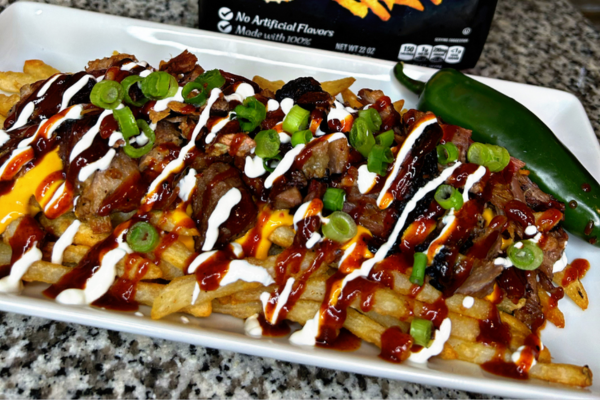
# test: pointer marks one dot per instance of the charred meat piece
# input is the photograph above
(166, 149)
(294, 89)
(364, 210)
(212, 185)
(181, 64)
(107, 62)
(287, 199)
(321, 158)
(122, 174)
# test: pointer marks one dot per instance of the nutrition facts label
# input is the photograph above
(426, 52)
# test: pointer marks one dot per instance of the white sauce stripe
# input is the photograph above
(219, 216)
(218, 126)
(366, 179)
(441, 337)
(252, 327)
(281, 300)
(187, 185)
(286, 105)
(12, 283)
(561, 263)
(86, 141)
(64, 241)
(23, 116)
(339, 112)
(73, 90)
(472, 179)
(254, 167)
(242, 91)
(285, 164)
(309, 332)
(47, 85)
(98, 165)
(161, 105)
(410, 140)
(4, 137)
(468, 302)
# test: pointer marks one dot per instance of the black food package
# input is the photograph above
(433, 33)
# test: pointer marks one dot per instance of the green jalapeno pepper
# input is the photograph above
(497, 119)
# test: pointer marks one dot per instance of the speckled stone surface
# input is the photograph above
(541, 42)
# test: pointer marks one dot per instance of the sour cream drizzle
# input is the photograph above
(12, 283)
(254, 167)
(218, 126)
(219, 216)
(47, 85)
(86, 141)
(162, 105)
(472, 179)
(242, 91)
(64, 241)
(281, 301)
(99, 165)
(187, 185)
(366, 179)
(441, 337)
(252, 327)
(73, 90)
(410, 140)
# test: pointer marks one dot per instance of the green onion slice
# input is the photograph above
(448, 197)
(142, 237)
(127, 124)
(250, 114)
(385, 139)
(107, 94)
(361, 138)
(500, 158)
(528, 257)
(134, 152)
(379, 159)
(301, 137)
(296, 120)
(372, 117)
(126, 84)
(159, 85)
(420, 330)
(333, 199)
(447, 153)
(495, 158)
(267, 144)
(418, 273)
(340, 228)
(198, 99)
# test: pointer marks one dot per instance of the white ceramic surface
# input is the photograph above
(68, 38)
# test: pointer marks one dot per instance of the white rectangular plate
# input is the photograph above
(67, 39)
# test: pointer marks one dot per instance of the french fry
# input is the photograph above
(377, 9)
(351, 99)
(479, 353)
(551, 311)
(200, 310)
(12, 82)
(178, 294)
(2, 119)
(168, 221)
(85, 235)
(355, 7)
(283, 236)
(389, 4)
(39, 69)
(338, 86)
(169, 271)
(239, 310)
(7, 102)
(5, 253)
(416, 4)
(574, 290)
(387, 321)
(264, 83)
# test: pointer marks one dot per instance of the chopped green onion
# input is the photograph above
(203, 84)
(333, 200)
(142, 237)
(500, 158)
(361, 138)
(267, 163)
(296, 120)
(420, 330)
(126, 84)
(198, 99)
(528, 257)
(447, 153)
(159, 85)
(495, 158)
(107, 94)
(372, 117)
(379, 159)
(448, 197)
(267, 144)
(340, 228)
(418, 273)
(301, 137)
(127, 124)
(250, 114)
(134, 152)
(385, 139)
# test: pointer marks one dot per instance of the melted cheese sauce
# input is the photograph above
(275, 219)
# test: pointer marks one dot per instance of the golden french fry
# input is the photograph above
(351, 99)
(5, 253)
(85, 235)
(146, 292)
(169, 271)
(264, 83)
(2, 119)
(436, 2)
(416, 4)
(338, 86)
(283, 236)
(398, 106)
(551, 311)
(12, 82)
(389, 4)
(177, 255)
(574, 290)
(240, 310)
(387, 321)
(39, 69)
(377, 9)
(355, 7)
(200, 310)
(7, 102)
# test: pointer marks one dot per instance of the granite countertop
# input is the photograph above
(540, 42)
